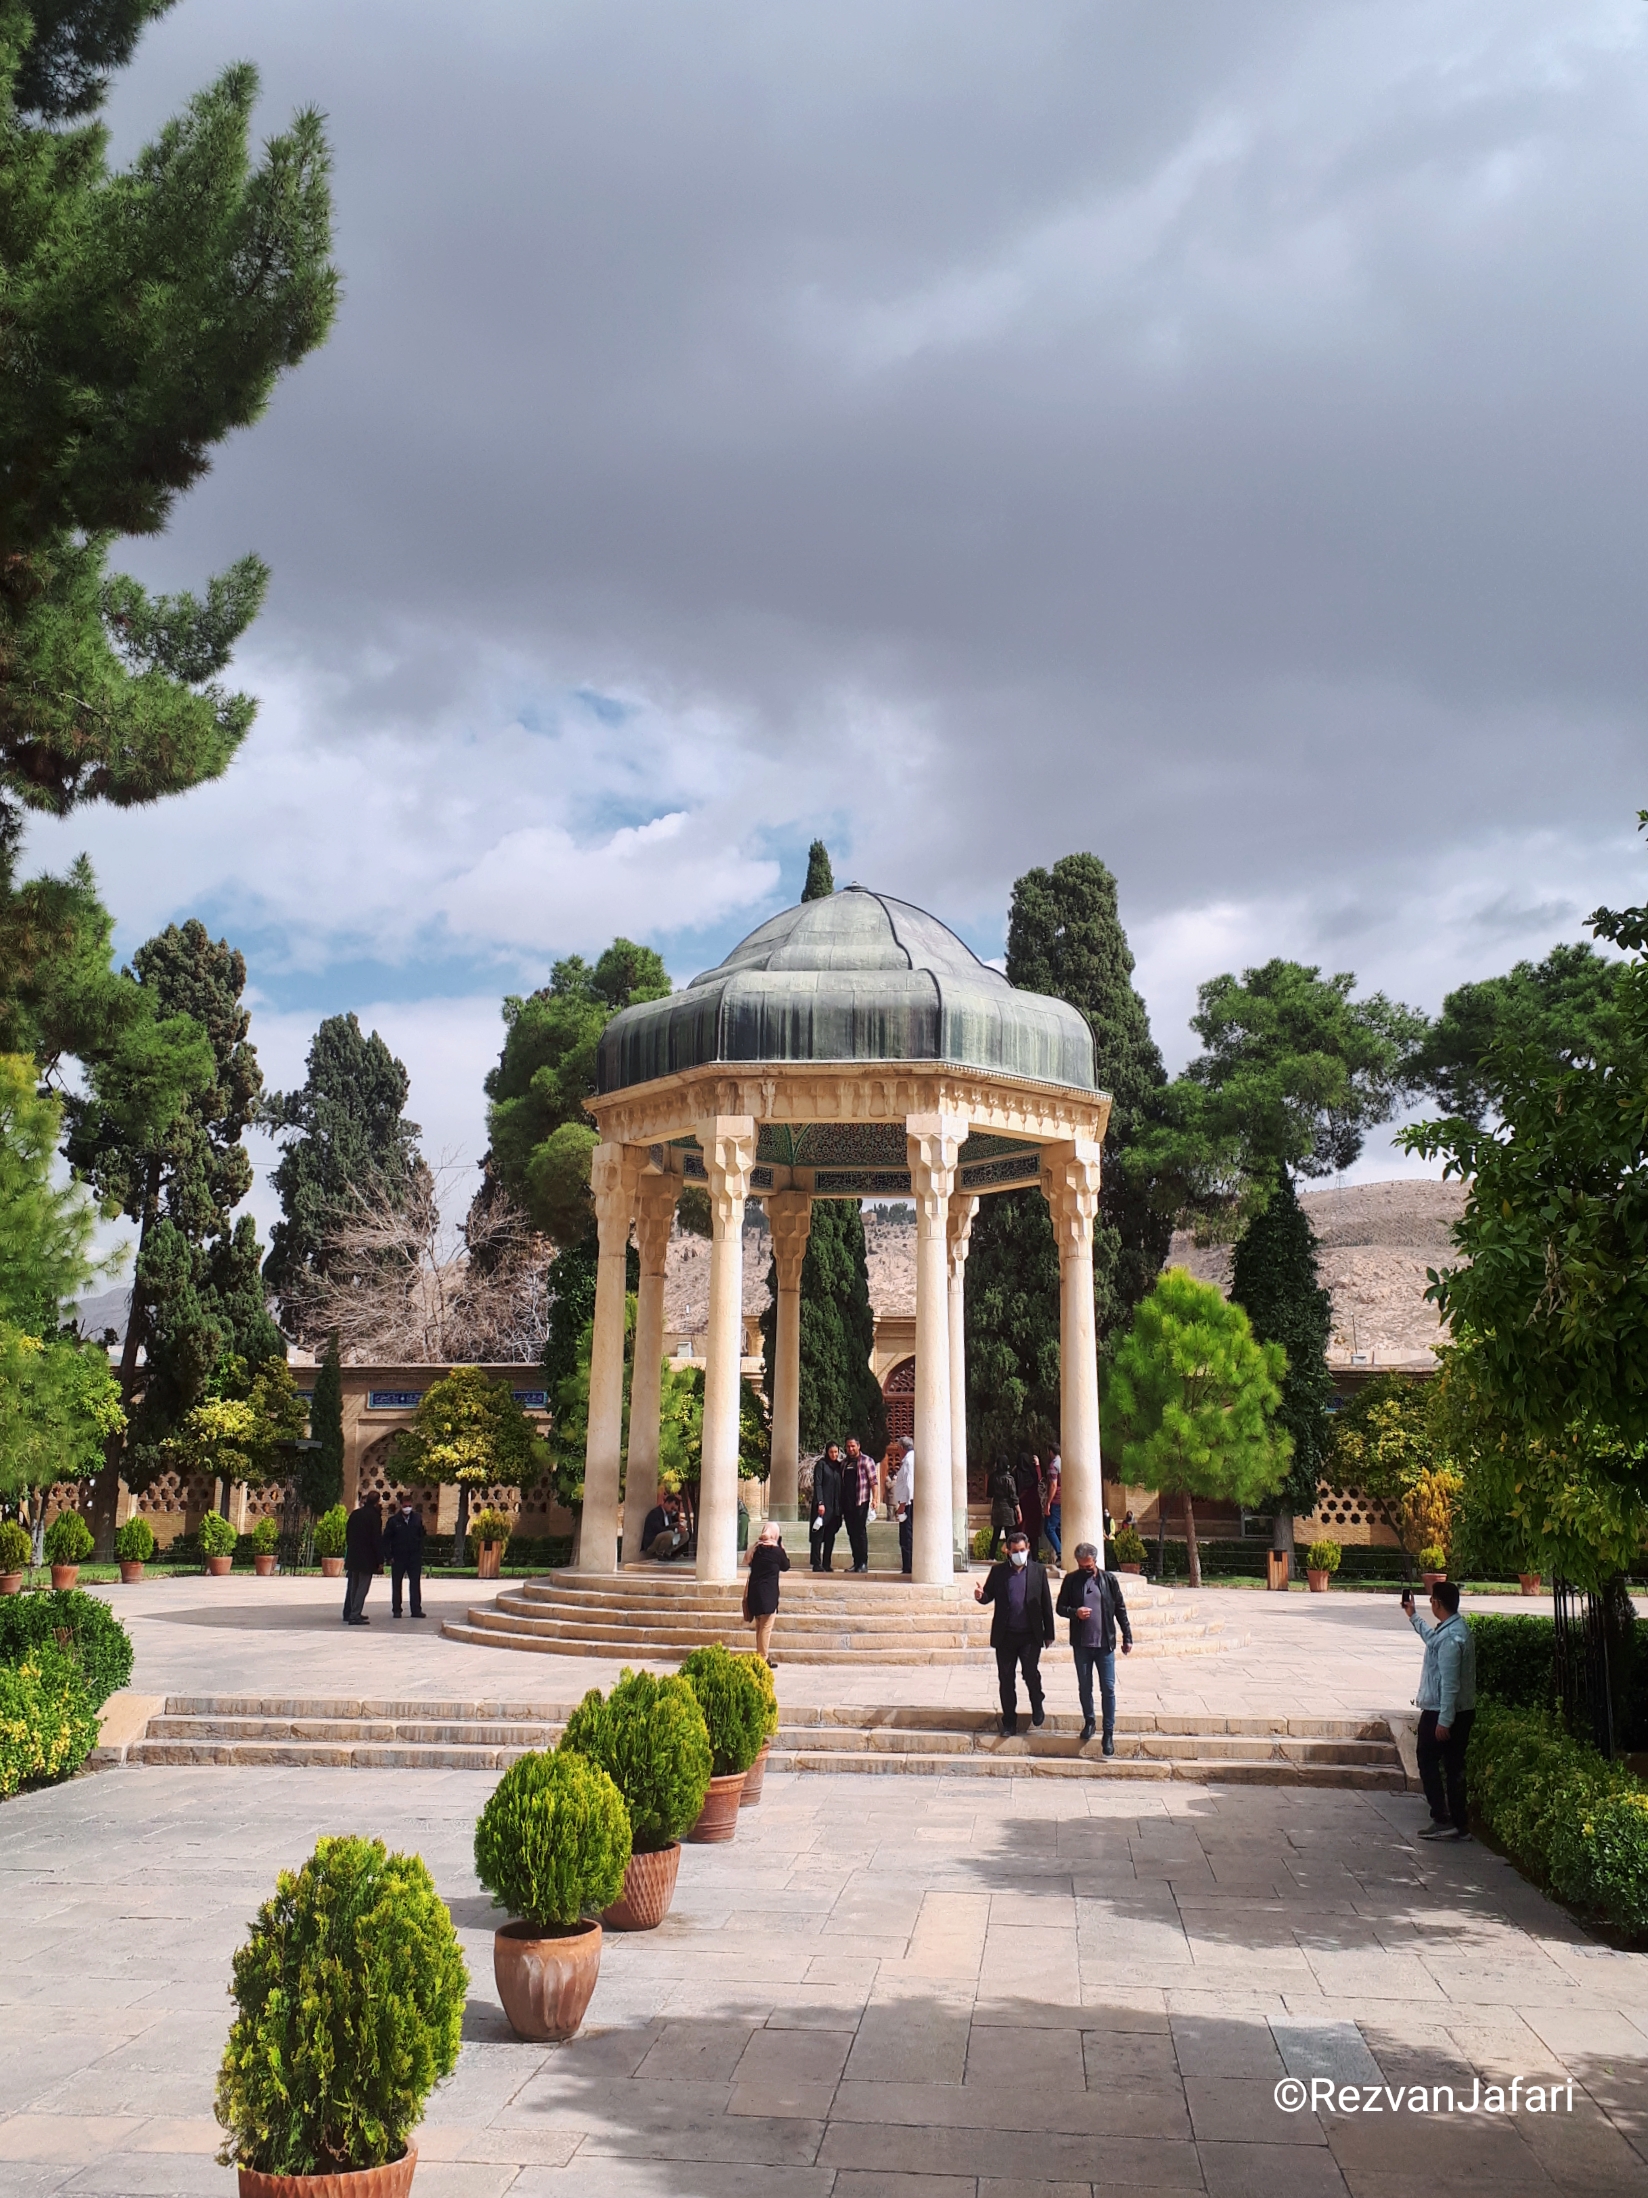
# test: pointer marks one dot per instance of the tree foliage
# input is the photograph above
(1554, 1299)
(1065, 939)
(150, 312)
(347, 1144)
(468, 1430)
(820, 877)
(320, 1472)
(1274, 1280)
(244, 1428)
(541, 1137)
(1566, 1007)
(840, 1395)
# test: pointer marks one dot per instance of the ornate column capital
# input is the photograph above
(934, 1142)
(613, 1172)
(728, 1145)
(1070, 1184)
(790, 1218)
(655, 1197)
(959, 1232)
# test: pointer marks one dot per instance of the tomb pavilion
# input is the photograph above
(851, 1047)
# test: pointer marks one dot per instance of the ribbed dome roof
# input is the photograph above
(857, 977)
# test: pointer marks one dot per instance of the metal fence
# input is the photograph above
(1583, 1678)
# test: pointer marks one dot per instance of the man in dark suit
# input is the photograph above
(362, 1557)
(1021, 1626)
(1092, 1601)
(824, 1520)
(403, 1546)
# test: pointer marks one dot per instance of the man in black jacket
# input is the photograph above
(1092, 1601)
(824, 1519)
(403, 1546)
(362, 1556)
(1021, 1626)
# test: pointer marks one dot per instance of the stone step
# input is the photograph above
(1197, 1769)
(1228, 1747)
(355, 1731)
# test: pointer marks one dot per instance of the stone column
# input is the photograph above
(790, 1218)
(612, 1173)
(1070, 1183)
(934, 1142)
(959, 1241)
(728, 1143)
(655, 1197)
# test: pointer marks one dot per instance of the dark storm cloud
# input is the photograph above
(1206, 433)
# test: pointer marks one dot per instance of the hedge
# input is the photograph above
(1569, 1819)
(1233, 1559)
(48, 1722)
(81, 1626)
(1514, 1658)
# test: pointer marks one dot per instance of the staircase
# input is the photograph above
(652, 1613)
(949, 1743)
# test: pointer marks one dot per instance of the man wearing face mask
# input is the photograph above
(1021, 1626)
(1092, 1601)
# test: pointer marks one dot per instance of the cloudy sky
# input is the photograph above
(1205, 434)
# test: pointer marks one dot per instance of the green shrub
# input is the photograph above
(68, 1539)
(761, 1672)
(81, 1626)
(217, 1537)
(650, 1738)
(490, 1526)
(16, 1546)
(48, 1722)
(350, 1993)
(1557, 1808)
(1129, 1546)
(553, 1840)
(134, 1544)
(979, 1546)
(265, 1537)
(331, 1529)
(1605, 1867)
(734, 1706)
(1514, 1659)
(1322, 1557)
(1433, 1558)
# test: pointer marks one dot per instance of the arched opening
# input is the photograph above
(899, 1389)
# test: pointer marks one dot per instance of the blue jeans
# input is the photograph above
(1103, 1661)
(1053, 1527)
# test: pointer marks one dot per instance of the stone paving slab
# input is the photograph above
(1013, 1992)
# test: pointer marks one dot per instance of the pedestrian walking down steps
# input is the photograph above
(1091, 1599)
(1021, 1626)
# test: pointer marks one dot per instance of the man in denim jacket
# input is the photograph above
(1447, 1708)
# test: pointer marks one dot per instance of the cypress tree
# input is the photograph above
(1274, 1280)
(1064, 938)
(320, 1472)
(820, 877)
(840, 1395)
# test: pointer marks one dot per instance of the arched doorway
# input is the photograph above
(899, 1389)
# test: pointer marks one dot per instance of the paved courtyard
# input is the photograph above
(900, 1988)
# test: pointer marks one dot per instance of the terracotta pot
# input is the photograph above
(392, 2180)
(755, 1778)
(1431, 1578)
(546, 1982)
(218, 1567)
(1134, 1569)
(649, 1887)
(263, 1566)
(487, 1557)
(11, 1583)
(331, 1568)
(131, 1570)
(718, 1819)
(64, 1575)
(1318, 1580)
(1530, 1582)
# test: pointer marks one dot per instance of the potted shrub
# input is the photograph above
(330, 1530)
(735, 1711)
(265, 1541)
(1321, 1563)
(756, 1776)
(1433, 1564)
(551, 1845)
(650, 1738)
(1129, 1548)
(217, 1543)
(134, 1545)
(489, 1530)
(16, 1555)
(350, 1998)
(1528, 1582)
(68, 1545)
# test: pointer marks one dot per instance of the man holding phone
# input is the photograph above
(1446, 1702)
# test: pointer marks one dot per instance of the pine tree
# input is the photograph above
(149, 314)
(820, 877)
(1064, 938)
(320, 1472)
(840, 1395)
(1275, 1282)
(352, 1140)
(195, 1289)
